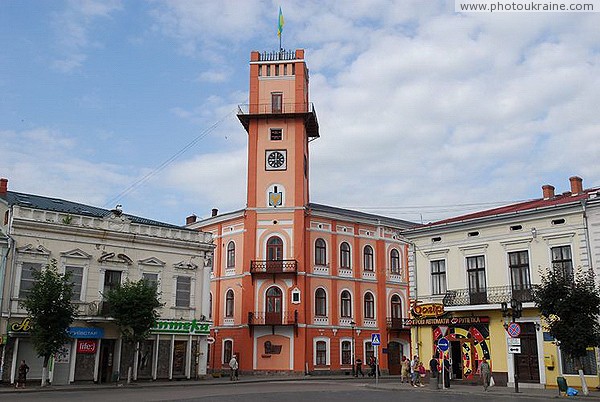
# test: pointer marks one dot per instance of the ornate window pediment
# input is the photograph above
(186, 265)
(118, 258)
(76, 253)
(30, 249)
(152, 261)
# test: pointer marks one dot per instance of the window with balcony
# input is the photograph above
(476, 275)
(438, 277)
(274, 249)
(231, 255)
(368, 258)
(346, 352)
(518, 264)
(345, 260)
(320, 303)
(396, 310)
(273, 306)
(561, 259)
(369, 305)
(394, 261)
(346, 304)
(229, 303)
(277, 102)
(320, 252)
(321, 354)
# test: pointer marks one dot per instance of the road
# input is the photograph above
(336, 391)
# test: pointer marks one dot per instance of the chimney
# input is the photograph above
(3, 186)
(215, 212)
(576, 185)
(548, 191)
(190, 219)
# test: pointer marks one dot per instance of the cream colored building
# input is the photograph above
(101, 249)
(471, 264)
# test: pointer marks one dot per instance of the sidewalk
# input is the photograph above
(391, 383)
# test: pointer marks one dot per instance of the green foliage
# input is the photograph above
(50, 310)
(134, 306)
(571, 305)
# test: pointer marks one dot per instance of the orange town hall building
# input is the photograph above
(297, 286)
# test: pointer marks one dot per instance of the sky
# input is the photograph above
(424, 113)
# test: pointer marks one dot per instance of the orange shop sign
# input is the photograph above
(428, 310)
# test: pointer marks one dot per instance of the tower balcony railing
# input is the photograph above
(490, 295)
(277, 55)
(270, 108)
(397, 324)
(273, 267)
(273, 318)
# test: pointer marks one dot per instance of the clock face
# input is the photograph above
(276, 159)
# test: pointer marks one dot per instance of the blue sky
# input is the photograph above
(424, 113)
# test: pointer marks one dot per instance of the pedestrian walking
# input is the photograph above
(446, 372)
(414, 370)
(358, 368)
(486, 373)
(233, 365)
(405, 370)
(22, 374)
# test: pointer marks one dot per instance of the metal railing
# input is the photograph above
(491, 295)
(277, 55)
(394, 323)
(273, 267)
(270, 108)
(273, 318)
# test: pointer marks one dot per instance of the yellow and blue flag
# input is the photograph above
(280, 24)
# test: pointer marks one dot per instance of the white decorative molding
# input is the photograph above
(345, 321)
(76, 253)
(30, 249)
(395, 278)
(228, 321)
(321, 320)
(346, 273)
(152, 262)
(369, 275)
(186, 265)
(321, 269)
(370, 323)
(229, 271)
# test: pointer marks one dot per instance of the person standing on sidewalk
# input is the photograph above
(22, 374)
(358, 368)
(446, 372)
(233, 365)
(434, 369)
(486, 373)
(404, 370)
(414, 371)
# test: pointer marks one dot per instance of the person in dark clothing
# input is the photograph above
(22, 377)
(446, 373)
(434, 370)
(358, 368)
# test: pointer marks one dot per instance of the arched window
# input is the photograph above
(346, 305)
(395, 261)
(396, 307)
(274, 249)
(368, 258)
(227, 351)
(320, 303)
(321, 353)
(229, 303)
(273, 300)
(369, 305)
(231, 255)
(320, 252)
(345, 256)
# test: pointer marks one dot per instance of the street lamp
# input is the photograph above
(514, 310)
(352, 324)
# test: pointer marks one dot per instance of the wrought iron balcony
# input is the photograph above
(273, 267)
(273, 318)
(491, 295)
(397, 324)
(306, 110)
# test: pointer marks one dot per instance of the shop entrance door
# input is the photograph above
(456, 357)
(107, 352)
(527, 361)
(394, 354)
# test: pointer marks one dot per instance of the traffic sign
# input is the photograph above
(514, 329)
(514, 349)
(375, 339)
(514, 341)
(443, 344)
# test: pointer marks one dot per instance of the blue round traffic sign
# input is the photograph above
(443, 344)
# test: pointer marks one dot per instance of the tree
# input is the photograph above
(570, 304)
(134, 306)
(51, 312)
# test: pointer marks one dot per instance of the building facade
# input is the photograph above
(102, 249)
(297, 286)
(471, 273)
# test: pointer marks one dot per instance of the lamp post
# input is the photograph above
(515, 310)
(353, 324)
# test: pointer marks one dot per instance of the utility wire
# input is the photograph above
(167, 162)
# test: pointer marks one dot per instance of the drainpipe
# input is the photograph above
(11, 246)
(414, 253)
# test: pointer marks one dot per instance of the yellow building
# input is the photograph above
(471, 278)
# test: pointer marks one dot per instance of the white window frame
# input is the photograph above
(327, 350)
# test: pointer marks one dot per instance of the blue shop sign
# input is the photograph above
(86, 332)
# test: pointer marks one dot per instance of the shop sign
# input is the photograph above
(86, 332)
(448, 321)
(428, 310)
(86, 346)
(21, 327)
(181, 327)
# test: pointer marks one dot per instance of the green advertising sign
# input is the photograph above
(181, 327)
